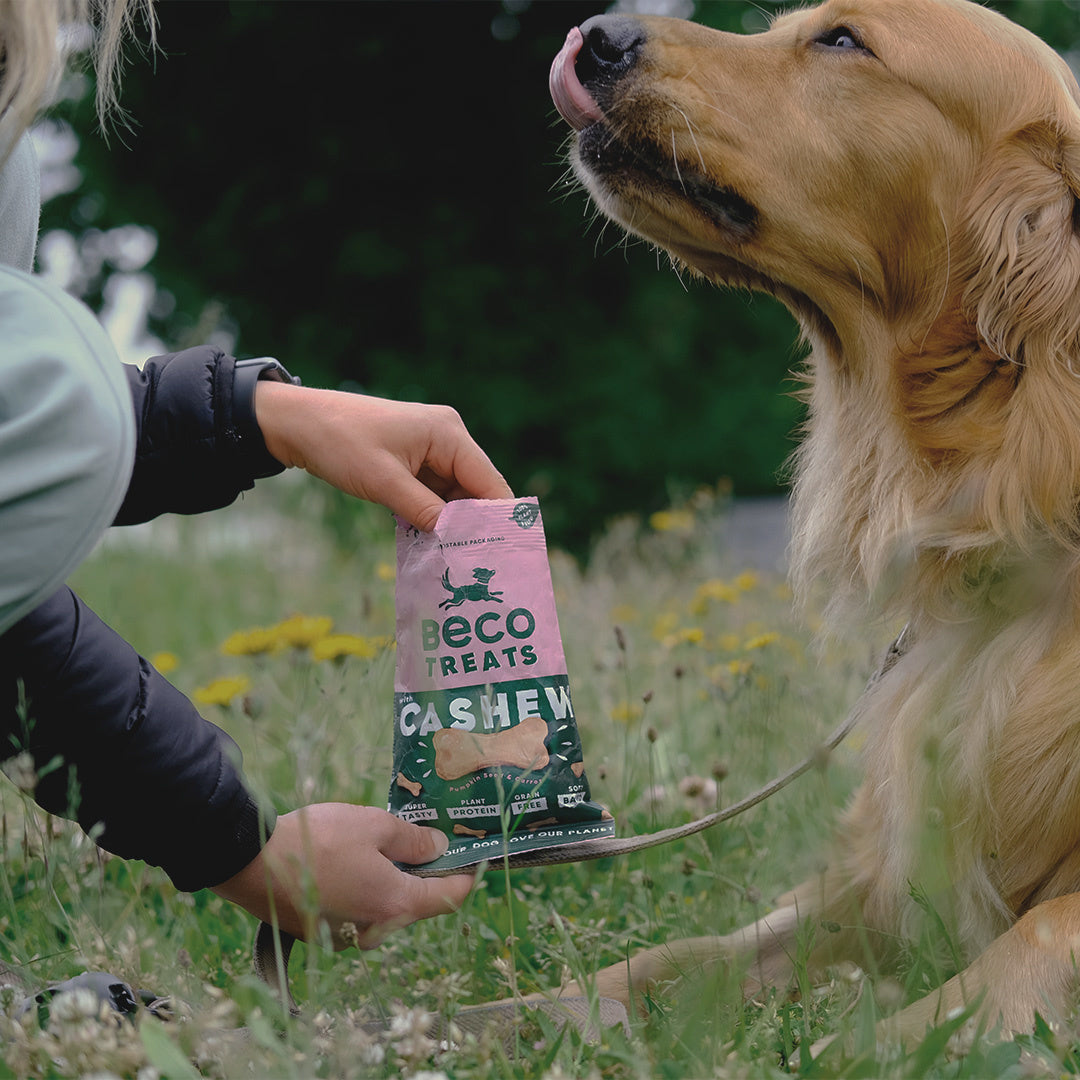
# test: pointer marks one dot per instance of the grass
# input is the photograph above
(692, 684)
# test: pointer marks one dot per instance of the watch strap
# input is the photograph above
(246, 375)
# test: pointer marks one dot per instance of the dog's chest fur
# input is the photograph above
(972, 752)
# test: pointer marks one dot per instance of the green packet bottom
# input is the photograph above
(497, 768)
(468, 851)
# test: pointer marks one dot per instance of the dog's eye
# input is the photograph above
(841, 37)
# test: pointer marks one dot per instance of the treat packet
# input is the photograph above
(486, 743)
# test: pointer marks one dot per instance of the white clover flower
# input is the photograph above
(73, 1007)
(371, 1054)
(699, 790)
(408, 1034)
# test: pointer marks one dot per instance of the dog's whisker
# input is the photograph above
(727, 115)
(675, 162)
(770, 16)
(693, 139)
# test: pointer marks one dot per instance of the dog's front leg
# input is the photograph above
(763, 954)
(1031, 968)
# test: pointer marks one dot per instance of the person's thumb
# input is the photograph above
(408, 843)
(417, 844)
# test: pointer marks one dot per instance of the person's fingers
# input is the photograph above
(439, 896)
(462, 465)
(474, 472)
(420, 500)
(411, 499)
(455, 456)
(418, 898)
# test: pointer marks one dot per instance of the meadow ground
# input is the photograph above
(693, 683)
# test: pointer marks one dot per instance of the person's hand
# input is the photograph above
(409, 457)
(332, 863)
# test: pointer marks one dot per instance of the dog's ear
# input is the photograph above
(1023, 296)
(1023, 290)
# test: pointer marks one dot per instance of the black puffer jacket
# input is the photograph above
(122, 750)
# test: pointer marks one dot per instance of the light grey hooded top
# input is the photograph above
(67, 429)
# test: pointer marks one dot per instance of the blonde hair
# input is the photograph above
(32, 56)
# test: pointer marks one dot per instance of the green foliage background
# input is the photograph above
(375, 193)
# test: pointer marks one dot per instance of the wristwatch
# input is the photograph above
(246, 373)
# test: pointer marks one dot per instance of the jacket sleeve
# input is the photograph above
(198, 445)
(122, 751)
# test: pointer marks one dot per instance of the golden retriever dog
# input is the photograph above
(905, 176)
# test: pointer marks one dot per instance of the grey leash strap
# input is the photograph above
(271, 951)
(605, 848)
(270, 960)
(584, 850)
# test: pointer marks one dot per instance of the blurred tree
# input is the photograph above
(375, 193)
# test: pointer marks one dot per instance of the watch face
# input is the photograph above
(269, 368)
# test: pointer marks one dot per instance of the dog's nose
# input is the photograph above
(610, 48)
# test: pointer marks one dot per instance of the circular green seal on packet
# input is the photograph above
(525, 515)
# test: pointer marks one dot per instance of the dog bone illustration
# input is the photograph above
(464, 830)
(532, 826)
(414, 787)
(458, 753)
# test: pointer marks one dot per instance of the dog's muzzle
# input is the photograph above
(594, 58)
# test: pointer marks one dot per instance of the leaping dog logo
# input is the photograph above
(477, 590)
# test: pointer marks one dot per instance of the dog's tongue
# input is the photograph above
(574, 102)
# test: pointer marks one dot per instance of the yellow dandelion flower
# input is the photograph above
(739, 667)
(625, 712)
(165, 662)
(746, 581)
(222, 691)
(729, 642)
(761, 640)
(386, 571)
(717, 674)
(716, 589)
(302, 631)
(259, 639)
(664, 625)
(672, 521)
(685, 635)
(336, 646)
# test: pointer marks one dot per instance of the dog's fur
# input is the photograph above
(916, 203)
